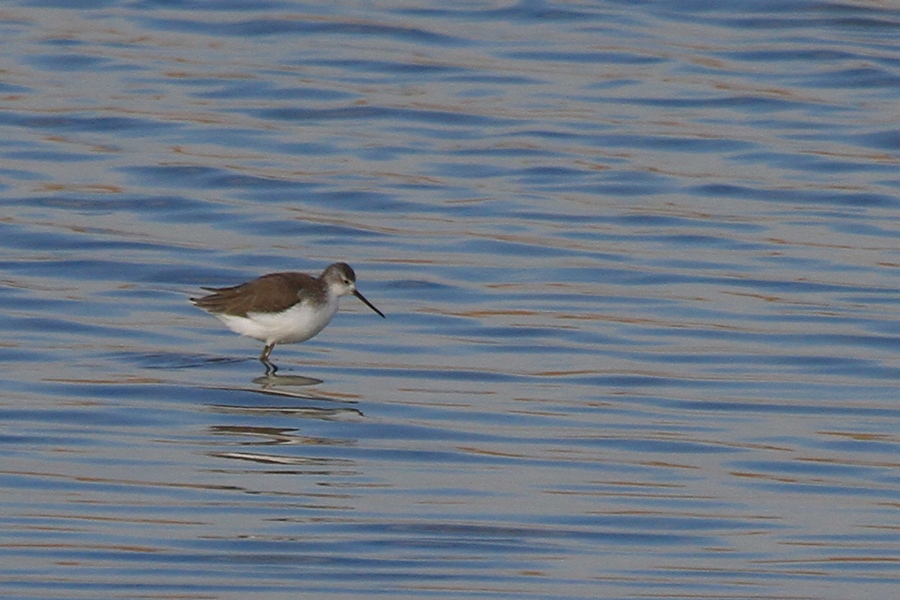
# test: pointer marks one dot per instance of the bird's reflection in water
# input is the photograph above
(272, 380)
(291, 388)
(263, 427)
(257, 445)
(308, 412)
(274, 436)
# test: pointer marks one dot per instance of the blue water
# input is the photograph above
(639, 263)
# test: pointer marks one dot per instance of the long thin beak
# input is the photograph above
(367, 303)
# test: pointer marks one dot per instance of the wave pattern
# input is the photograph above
(639, 263)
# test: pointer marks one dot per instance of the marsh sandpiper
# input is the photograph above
(282, 308)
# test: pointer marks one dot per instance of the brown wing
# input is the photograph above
(270, 293)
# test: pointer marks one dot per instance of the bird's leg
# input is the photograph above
(264, 359)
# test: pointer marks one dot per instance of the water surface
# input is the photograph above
(639, 264)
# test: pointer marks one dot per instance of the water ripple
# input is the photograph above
(638, 262)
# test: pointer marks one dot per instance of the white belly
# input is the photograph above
(297, 324)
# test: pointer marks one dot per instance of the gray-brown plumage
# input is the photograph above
(270, 293)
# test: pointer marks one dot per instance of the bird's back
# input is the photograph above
(272, 293)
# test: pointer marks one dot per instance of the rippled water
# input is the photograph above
(639, 262)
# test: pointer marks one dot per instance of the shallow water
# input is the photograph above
(639, 263)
